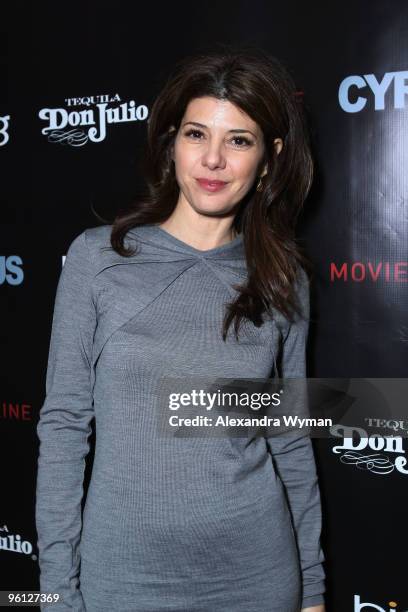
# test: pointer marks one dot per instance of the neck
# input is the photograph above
(200, 231)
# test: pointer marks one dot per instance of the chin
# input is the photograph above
(212, 209)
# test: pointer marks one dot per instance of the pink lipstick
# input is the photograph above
(212, 186)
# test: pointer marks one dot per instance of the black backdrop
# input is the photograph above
(350, 63)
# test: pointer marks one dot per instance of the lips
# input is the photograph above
(210, 185)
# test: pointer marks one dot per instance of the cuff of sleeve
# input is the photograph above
(312, 600)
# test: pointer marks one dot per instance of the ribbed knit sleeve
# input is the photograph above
(63, 430)
(294, 460)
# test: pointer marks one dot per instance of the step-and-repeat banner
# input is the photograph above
(77, 86)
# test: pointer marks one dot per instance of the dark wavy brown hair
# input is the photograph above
(263, 88)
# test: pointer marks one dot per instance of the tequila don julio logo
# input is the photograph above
(76, 127)
(13, 542)
(356, 439)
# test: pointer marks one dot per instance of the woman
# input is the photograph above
(186, 523)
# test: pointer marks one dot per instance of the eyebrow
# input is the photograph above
(235, 131)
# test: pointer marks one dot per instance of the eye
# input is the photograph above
(191, 132)
(241, 141)
(244, 141)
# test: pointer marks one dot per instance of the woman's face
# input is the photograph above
(217, 141)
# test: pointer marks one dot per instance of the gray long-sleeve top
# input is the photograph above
(195, 524)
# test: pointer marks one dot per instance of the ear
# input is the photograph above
(278, 143)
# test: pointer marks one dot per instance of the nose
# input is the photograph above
(214, 155)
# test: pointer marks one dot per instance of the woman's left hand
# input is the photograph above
(319, 608)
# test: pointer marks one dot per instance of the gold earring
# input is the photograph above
(259, 186)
